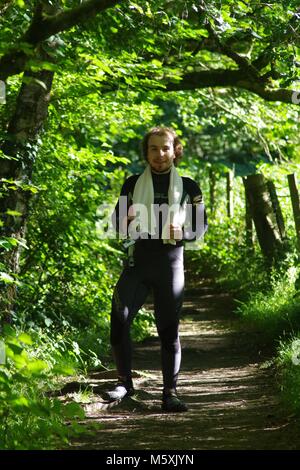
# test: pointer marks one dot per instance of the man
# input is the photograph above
(152, 213)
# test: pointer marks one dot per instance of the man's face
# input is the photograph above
(160, 152)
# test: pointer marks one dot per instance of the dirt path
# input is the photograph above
(232, 397)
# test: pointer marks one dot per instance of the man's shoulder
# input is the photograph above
(132, 178)
(187, 179)
(190, 185)
(129, 183)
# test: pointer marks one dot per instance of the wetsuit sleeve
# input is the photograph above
(120, 213)
(196, 218)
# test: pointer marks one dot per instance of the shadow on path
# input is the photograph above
(232, 396)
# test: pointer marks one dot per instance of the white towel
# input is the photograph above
(143, 200)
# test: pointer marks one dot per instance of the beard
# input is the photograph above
(165, 169)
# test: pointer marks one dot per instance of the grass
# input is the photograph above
(276, 310)
(288, 365)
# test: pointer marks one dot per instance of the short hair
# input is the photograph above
(177, 145)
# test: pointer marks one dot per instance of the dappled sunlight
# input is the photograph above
(232, 400)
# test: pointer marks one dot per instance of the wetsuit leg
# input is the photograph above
(168, 298)
(129, 295)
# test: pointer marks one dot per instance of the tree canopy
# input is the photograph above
(175, 45)
(220, 57)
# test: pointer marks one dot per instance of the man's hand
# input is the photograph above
(176, 232)
(131, 214)
(126, 220)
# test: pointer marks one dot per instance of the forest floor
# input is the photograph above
(225, 379)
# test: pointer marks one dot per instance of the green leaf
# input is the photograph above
(63, 369)
(6, 278)
(36, 66)
(8, 242)
(19, 403)
(156, 63)
(73, 410)
(11, 212)
(203, 32)
(40, 409)
(20, 361)
(7, 157)
(25, 338)
(3, 376)
(135, 6)
(29, 80)
(37, 366)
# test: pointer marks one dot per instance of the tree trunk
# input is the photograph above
(277, 209)
(212, 190)
(248, 222)
(15, 172)
(295, 204)
(263, 215)
(229, 193)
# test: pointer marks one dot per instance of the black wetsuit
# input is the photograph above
(159, 267)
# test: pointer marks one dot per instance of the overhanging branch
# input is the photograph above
(241, 61)
(206, 78)
(50, 25)
(212, 79)
(42, 27)
(233, 78)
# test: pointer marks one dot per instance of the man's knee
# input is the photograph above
(118, 330)
(169, 338)
(119, 310)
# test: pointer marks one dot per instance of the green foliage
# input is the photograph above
(289, 373)
(267, 300)
(274, 310)
(225, 251)
(28, 418)
(142, 324)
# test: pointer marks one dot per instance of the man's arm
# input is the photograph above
(121, 215)
(196, 224)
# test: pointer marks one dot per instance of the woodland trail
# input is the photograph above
(232, 395)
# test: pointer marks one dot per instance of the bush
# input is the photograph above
(28, 418)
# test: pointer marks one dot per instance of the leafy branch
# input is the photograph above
(43, 27)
